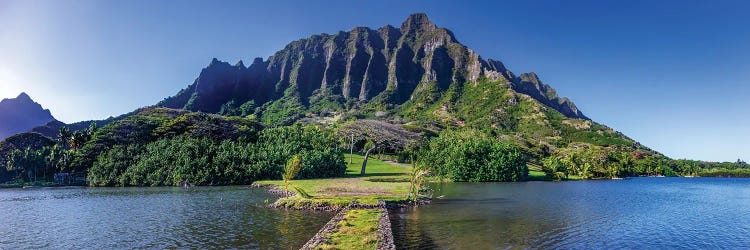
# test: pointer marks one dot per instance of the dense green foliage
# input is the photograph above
(723, 172)
(284, 111)
(587, 162)
(22, 143)
(201, 161)
(157, 147)
(472, 156)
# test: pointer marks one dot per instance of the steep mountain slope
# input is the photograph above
(21, 114)
(387, 66)
(417, 73)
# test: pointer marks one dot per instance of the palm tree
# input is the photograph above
(416, 180)
(53, 158)
(77, 140)
(63, 136)
(32, 158)
(15, 162)
(91, 130)
(291, 170)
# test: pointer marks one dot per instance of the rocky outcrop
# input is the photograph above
(529, 83)
(220, 83)
(391, 65)
(21, 114)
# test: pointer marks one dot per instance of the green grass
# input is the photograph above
(574, 177)
(374, 167)
(382, 181)
(358, 230)
(538, 176)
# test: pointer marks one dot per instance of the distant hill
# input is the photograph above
(21, 114)
(52, 128)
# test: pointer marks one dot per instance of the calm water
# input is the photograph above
(117, 218)
(638, 213)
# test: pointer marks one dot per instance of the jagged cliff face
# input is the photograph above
(21, 114)
(338, 72)
(529, 83)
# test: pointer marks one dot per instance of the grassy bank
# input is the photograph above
(536, 174)
(382, 180)
(736, 173)
(357, 230)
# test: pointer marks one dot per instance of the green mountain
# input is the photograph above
(413, 91)
(417, 74)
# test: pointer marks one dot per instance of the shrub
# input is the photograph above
(471, 156)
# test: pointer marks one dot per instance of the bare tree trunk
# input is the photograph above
(364, 162)
(351, 150)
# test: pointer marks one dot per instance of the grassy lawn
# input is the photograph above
(382, 181)
(535, 175)
(358, 230)
(374, 167)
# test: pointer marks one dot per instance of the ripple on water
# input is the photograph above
(125, 218)
(640, 213)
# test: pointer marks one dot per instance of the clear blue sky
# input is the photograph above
(674, 75)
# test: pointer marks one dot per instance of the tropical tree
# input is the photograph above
(416, 179)
(77, 139)
(35, 160)
(612, 169)
(469, 155)
(291, 169)
(555, 168)
(92, 129)
(369, 146)
(15, 162)
(26, 163)
(63, 136)
(54, 157)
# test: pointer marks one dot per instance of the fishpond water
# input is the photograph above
(635, 213)
(164, 217)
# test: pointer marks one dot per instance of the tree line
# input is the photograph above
(183, 159)
(163, 147)
(594, 162)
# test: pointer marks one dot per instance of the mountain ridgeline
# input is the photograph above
(417, 74)
(388, 66)
(469, 118)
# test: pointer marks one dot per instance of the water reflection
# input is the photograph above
(636, 213)
(117, 218)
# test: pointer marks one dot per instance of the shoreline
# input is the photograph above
(385, 239)
(384, 230)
